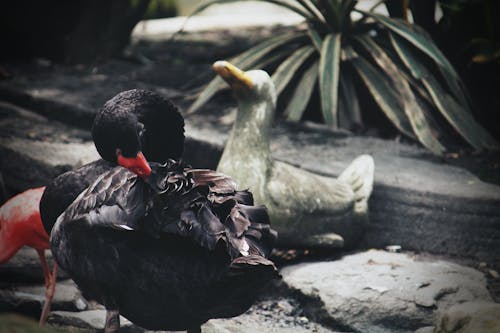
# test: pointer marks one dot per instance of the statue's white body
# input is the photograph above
(305, 208)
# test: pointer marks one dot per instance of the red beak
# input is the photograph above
(138, 165)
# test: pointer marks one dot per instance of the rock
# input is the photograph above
(393, 248)
(377, 291)
(470, 317)
(426, 329)
(87, 321)
(34, 150)
(24, 267)
(30, 299)
(326, 240)
(280, 315)
(245, 324)
(277, 316)
(14, 323)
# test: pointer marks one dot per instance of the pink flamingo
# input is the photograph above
(21, 225)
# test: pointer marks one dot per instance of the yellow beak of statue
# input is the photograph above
(235, 77)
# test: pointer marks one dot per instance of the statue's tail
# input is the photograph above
(359, 174)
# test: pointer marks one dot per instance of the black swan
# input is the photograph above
(168, 249)
(27, 218)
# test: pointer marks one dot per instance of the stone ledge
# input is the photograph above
(419, 202)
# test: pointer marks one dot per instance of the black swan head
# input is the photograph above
(137, 126)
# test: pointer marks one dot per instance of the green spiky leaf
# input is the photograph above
(329, 78)
(417, 38)
(311, 8)
(244, 60)
(350, 99)
(302, 93)
(284, 73)
(383, 93)
(411, 109)
(457, 115)
(412, 92)
(315, 38)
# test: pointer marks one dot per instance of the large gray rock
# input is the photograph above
(377, 291)
(29, 299)
(470, 317)
(24, 267)
(276, 316)
(91, 321)
(15, 323)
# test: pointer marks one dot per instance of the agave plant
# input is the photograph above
(396, 63)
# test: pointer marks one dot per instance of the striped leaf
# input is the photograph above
(286, 70)
(330, 12)
(346, 7)
(329, 78)
(457, 88)
(311, 7)
(416, 117)
(244, 60)
(418, 39)
(266, 61)
(283, 3)
(415, 84)
(262, 49)
(302, 93)
(214, 86)
(461, 120)
(382, 92)
(455, 113)
(351, 102)
(455, 84)
(315, 38)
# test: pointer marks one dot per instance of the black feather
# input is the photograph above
(171, 252)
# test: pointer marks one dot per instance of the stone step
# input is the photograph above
(24, 268)
(34, 150)
(29, 299)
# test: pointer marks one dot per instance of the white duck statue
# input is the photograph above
(307, 209)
